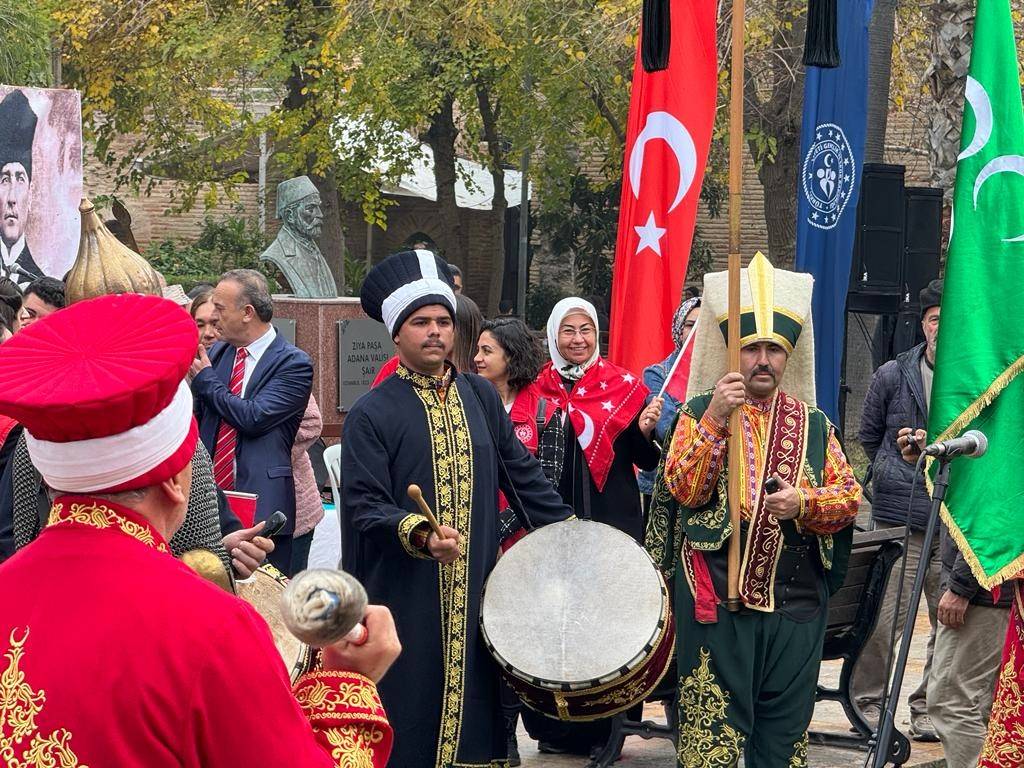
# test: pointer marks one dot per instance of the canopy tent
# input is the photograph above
(474, 186)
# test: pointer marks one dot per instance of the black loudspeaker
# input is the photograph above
(876, 272)
(923, 240)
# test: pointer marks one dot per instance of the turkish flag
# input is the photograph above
(671, 115)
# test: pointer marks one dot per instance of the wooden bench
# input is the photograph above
(852, 615)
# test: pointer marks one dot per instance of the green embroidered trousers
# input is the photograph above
(746, 686)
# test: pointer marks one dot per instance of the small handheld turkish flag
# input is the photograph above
(671, 115)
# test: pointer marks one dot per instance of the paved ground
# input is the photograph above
(659, 753)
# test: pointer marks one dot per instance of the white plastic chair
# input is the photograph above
(325, 549)
(332, 460)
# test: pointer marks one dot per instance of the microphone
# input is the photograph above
(971, 443)
(16, 268)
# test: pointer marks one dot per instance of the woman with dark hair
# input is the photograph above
(508, 356)
(10, 308)
(468, 319)
(10, 323)
(202, 312)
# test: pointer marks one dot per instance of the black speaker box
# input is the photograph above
(923, 240)
(876, 273)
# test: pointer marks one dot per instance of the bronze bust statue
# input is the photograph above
(294, 251)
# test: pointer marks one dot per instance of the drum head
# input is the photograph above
(263, 592)
(572, 603)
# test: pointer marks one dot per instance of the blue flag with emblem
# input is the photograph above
(832, 153)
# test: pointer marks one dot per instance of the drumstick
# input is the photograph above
(417, 495)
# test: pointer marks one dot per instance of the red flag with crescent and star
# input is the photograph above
(671, 115)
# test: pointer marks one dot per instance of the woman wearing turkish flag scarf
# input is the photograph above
(602, 427)
(597, 429)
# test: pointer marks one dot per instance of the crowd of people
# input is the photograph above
(502, 429)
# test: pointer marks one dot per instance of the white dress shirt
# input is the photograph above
(10, 255)
(255, 352)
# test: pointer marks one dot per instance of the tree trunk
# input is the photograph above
(489, 114)
(300, 35)
(441, 137)
(332, 237)
(778, 178)
(880, 39)
(952, 22)
(773, 105)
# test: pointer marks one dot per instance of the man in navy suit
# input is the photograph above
(250, 393)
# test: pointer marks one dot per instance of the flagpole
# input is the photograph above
(735, 203)
(679, 359)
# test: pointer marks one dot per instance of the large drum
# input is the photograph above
(263, 592)
(578, 616)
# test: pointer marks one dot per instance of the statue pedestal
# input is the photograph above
(347, 348)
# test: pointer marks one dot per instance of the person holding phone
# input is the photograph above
(114, 437)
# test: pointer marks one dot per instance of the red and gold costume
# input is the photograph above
(1004, 744)
(699, 451)
(115, 653)
(747, 678)
(112, 652)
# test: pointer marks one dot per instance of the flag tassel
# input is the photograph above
(821, 44)
(657, 35)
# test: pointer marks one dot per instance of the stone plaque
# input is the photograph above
(286, 328)
(363, 348)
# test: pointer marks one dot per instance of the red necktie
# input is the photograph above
(227, 435)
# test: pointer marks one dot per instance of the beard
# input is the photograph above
(311, 230)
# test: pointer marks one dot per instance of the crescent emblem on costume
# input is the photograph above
(662, 125)
(586, 437)
(1001, 164)
(977, 97)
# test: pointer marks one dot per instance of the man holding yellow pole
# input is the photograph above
(748, 671)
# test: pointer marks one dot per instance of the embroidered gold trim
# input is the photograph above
(785, 454)
(352, 746)
(706, 740)
(799, 758)
(423, 381)
(1004, 744)
(318, 697)
(452, 454)
(102, 517)
(714, 517)
(405, 528)
(21, 743)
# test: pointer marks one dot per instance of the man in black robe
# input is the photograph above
(446, 432)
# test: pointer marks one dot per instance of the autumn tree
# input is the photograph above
(25, 51)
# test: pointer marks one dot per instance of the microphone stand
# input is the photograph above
(886, 747)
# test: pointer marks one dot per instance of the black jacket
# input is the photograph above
(895, 400)
(957, 577)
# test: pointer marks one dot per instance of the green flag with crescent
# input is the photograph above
(980, 350)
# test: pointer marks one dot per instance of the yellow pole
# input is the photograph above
(735, 203)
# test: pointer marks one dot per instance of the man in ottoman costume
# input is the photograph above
(113, 652)
(747, 678)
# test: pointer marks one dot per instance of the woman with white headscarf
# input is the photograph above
(602, 427)
(597, 428)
